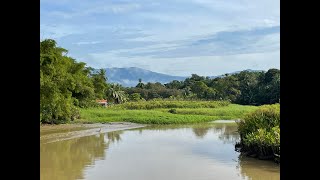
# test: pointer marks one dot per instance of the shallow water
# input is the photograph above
(176, 152)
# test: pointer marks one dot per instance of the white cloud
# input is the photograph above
(95, 8)
(137, 32)
(87, 42)
(56, 31)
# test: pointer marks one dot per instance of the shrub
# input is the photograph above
(267, 117)
(173, 111)
(260, 132)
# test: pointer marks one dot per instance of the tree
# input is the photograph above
(140, 84)
(269, 87)
(60, 78)
(65, 84)
(271, 74)
(227, 88)
(248, 86)
(199, 88)
(100, 84)
(135, 97)
(116, 94)
(174, 84)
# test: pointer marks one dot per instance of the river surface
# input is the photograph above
(171, 152)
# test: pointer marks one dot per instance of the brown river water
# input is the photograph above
(168, 152)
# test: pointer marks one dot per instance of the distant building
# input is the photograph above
(103, 102)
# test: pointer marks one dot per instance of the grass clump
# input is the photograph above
(260, 133)
(173, 111)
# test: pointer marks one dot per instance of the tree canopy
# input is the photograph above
(66, 84)
(247, 88)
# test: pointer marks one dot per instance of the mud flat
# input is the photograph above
(53, 133)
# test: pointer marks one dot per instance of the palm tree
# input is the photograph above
(140, 84)
(116, 94)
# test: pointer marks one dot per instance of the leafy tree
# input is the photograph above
(135, 97)
(227, 88)
(271, 86)
(174, 84)
(248, 86)
(200, 89)
(60, 76)
(100, 84)
(65, 84)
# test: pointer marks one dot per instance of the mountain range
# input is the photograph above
(129, 77)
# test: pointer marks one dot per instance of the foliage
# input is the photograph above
(247, 88)
(135, 97)
(260, 131)
(266, 117)
(99, 82)
(116, 95)
(66, 85)
(60, 77)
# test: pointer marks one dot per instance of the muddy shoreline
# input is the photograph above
(53, 133)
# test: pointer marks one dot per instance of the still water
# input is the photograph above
(184, 152)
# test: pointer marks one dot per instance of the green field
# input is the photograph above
(195, 112)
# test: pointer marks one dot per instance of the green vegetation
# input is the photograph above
(69, 90)
(63, 83)
(246, 88)
(156, 104)
(260, 132)
(162, 115)
(66, 85)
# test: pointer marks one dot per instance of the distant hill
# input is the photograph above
(129, 77)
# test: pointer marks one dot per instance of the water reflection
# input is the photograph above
(258, 169)
(114, 136)
(65, 160)
(201, 131)
(228, 133)
(200, 151)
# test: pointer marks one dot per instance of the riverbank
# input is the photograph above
(178, 115)
(53, 133)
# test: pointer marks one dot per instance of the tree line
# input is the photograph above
(67, 85)
(246, 88)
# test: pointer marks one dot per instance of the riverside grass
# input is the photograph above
(156, 104)
(158, 112)
(260, 133)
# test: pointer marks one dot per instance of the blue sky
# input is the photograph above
(177, 37)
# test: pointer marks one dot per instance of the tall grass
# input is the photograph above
(172, 104)
(260, 132)
(139, 116)
(233, 110)
(164, 115)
